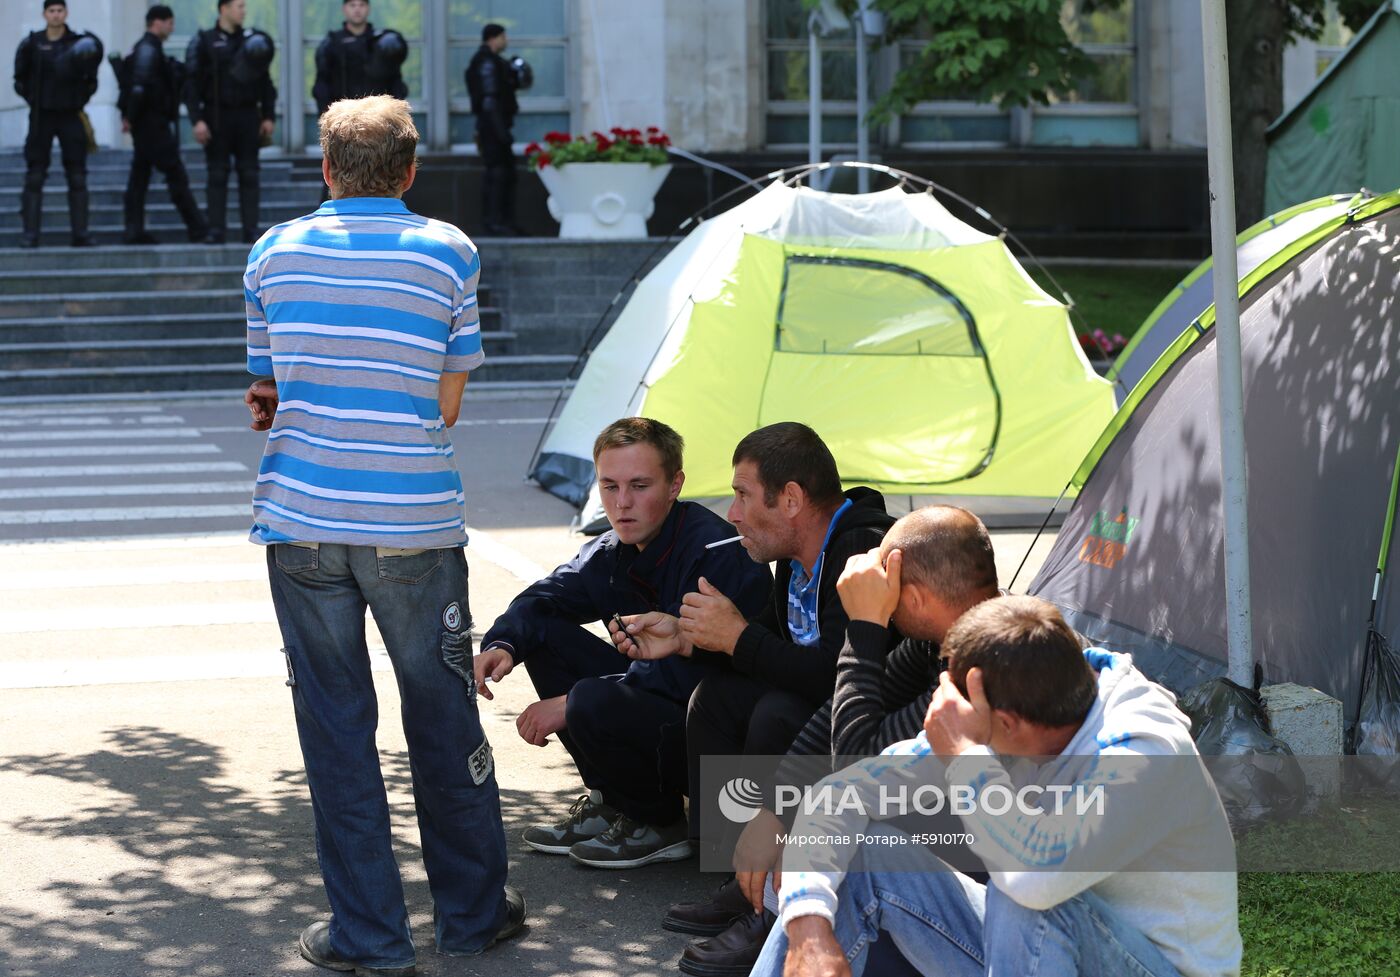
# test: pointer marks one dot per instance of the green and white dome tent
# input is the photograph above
(915, 344)
(1195, 293)
(1138, 564)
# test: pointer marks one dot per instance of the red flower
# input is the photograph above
(662, 140)
(652, 129)
(543, 159)
(531, 149)
(603, 142)
(618, 131)
(557, 138)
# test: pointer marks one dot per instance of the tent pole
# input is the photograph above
(814, 97)
(1228, 360)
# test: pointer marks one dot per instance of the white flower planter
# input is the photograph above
(602, 200)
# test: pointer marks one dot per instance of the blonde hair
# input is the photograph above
(370, 143)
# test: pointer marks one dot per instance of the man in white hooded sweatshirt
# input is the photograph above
(1141, 883)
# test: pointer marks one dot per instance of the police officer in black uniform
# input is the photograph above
(231, 103)
(492, 83)
(357, 60)
(151, 86)
(56, 74)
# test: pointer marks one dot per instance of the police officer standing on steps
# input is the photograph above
(151, 85)
(56, 74)
(491, 83)
(357, 60)
(231, 102)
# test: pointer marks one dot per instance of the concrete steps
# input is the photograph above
(121, 319)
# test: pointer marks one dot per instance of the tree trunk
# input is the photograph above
(1254, 40)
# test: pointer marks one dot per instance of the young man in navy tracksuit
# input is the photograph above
(622, 722)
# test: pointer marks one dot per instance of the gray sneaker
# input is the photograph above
(631, 844)
(588, 818)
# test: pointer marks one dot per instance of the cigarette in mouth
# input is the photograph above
(723, 542)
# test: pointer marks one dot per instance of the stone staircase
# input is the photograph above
(122, 319)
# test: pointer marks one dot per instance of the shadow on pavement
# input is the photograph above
(216, 879)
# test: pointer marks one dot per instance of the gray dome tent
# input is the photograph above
(1138, 564)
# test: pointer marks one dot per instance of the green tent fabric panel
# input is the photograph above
(711, 389)
(1344, 133)
(1382, 163)
(943, 429)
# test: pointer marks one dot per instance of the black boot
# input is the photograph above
(31, 207)
(249, 203)
(134, 220)
(78, 218)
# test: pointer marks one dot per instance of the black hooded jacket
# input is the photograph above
(766, 650)
(610, 577)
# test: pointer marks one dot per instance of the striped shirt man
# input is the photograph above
(357, 310)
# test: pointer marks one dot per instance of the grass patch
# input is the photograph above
(1114, 298)
(1323, 924)
(1330, 924)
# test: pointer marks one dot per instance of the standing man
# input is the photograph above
(359, 503)
(56, 74)
(150, 108)
(231, 102)
(357, 60)
(491, 84)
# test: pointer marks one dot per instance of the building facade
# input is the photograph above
(721, 76)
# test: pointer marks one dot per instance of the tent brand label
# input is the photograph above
(1107, 541)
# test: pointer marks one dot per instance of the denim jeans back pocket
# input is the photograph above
(296, 559)
(409, 569)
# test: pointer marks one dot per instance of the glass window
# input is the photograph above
(537, 30)
(1101, 109)
(853, 307)
(1334, 38)
(528, 18)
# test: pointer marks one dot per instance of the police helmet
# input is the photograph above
(82, 57)
(524, 74)
(253, 57)
(390, 49)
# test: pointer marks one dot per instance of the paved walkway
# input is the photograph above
(153, 815)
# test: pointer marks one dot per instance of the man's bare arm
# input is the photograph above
(451, 386)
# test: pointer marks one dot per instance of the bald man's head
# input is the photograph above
(946, 551)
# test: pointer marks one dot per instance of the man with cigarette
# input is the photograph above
(622, 722)
(359, 504)
(781, 662)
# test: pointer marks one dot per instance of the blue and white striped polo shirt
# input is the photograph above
(357, 309)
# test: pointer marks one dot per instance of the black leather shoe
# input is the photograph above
(711, 917)
(734, 952)
(139, 237)
(82, 241)
(315, 945)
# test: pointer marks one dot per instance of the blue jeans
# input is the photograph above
(947, 925)
(419, 602)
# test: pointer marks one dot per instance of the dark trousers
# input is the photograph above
(67, 128)
(155, 147)
(628, 743)
(497, 182)
(732, 714)
(233, 133)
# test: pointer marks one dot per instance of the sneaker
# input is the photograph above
(632, 844)
(514, 924)
(315, 946)
(711, 917)
(588, 818)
